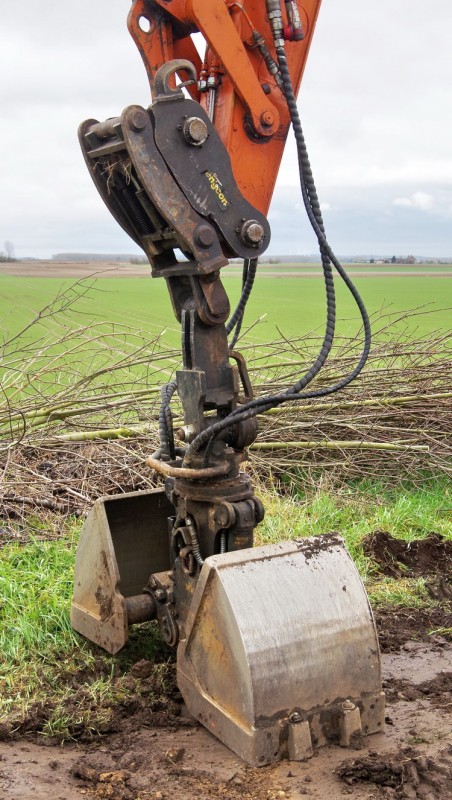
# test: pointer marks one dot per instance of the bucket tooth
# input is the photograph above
(349, 724)
(299, 744)
(124, 540)
(279, 633)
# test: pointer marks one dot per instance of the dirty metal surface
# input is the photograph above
(275, 631)
(124, 540)
(205, 175)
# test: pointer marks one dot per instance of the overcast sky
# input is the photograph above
(376, 105)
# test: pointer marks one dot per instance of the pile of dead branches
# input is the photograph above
(79, 409)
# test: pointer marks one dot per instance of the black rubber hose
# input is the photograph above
(316, 218)
(260, 405)
(236, 320)
(166, 430)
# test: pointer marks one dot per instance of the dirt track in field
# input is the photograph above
(95, 269)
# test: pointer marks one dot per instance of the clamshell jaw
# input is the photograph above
(280, 653)
(124, 540)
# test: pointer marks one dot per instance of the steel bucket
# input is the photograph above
(124, 540)
(281, 652)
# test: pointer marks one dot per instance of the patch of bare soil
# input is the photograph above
(397, 558)
(438, 691)
(72, 269)
(398, 625)
(140, 694)
(117, 269)
(406, 773)
(430, 558)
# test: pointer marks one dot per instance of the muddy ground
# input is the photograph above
(157, 752)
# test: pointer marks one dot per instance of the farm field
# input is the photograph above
(295, 306)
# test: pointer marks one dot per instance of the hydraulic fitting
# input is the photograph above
(294, 31)
(276, 21)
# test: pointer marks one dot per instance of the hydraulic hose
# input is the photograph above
(166, 431)
(249, 274)
(312, 205)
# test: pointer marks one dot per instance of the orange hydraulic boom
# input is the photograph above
(238, 85)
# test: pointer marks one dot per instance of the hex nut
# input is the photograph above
(205, 235)
(195, 131)
(252, 232)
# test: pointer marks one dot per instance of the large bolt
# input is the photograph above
(138, 120)
(187, 433)
(205, 235)
(252, 233)
(195, 131)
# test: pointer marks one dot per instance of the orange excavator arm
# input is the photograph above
(238, 83)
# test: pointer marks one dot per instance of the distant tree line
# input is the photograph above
(8, 254)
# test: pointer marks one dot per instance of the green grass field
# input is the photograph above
(41, 658)
(294, 305)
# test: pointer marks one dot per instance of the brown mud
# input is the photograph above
(399, 625)
(397, 558)
(429, 558)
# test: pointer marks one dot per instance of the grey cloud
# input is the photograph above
(359, 221)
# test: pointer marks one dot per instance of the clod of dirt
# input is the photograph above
(35, 720)
(175, 754)
(438, 691)
(109, 785)
(142, 669)
(118, 776)
(397, 558)
(396, 626)
(439, 589)
(409, 773)
(84, 773)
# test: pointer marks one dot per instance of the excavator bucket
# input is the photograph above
(280, 652)
(124, 540)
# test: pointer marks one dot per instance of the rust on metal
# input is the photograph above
(188, 474)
